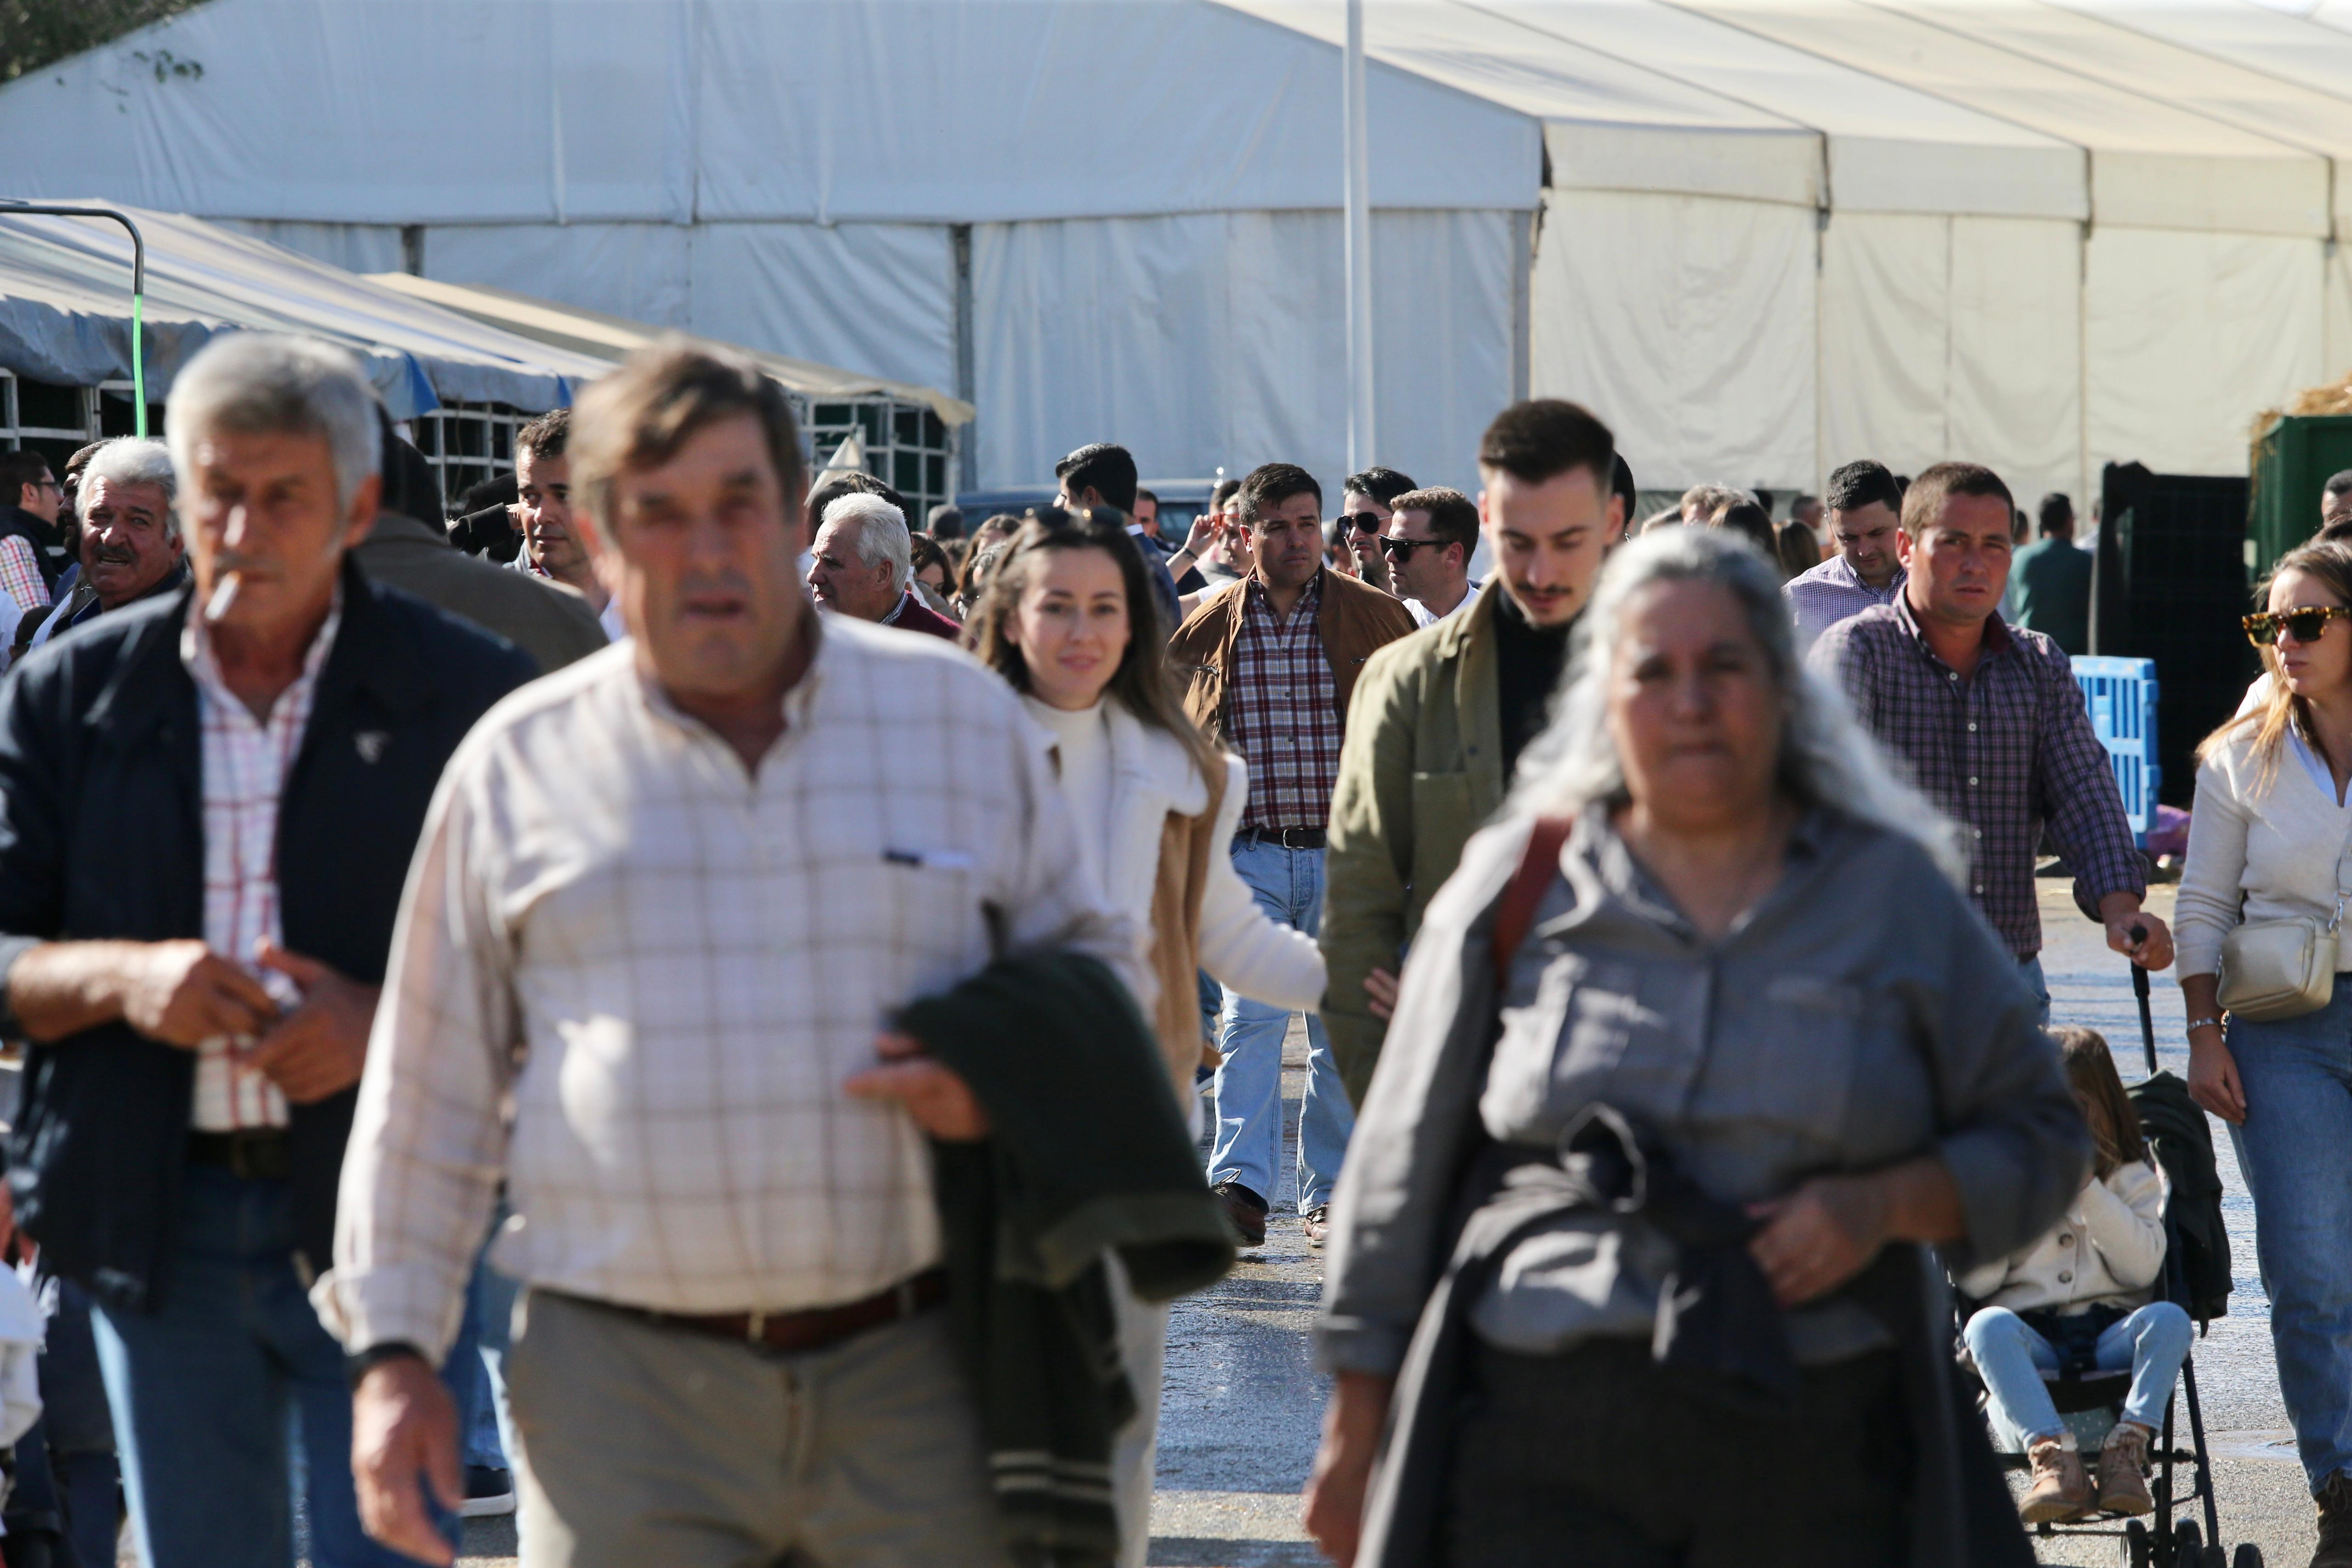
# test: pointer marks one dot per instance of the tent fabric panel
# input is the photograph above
(354, 247)
(1885, 340)
(2016, 379)
(1686, 323)
(2187, 336)
(1753, 165)
(638, 270)
(1885, 174)
(1228, 354)
(880, 297)
(2233, 196)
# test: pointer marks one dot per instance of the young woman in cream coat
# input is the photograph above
(1067, 618)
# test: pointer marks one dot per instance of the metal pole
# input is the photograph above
(138, 291)
(1357, 197)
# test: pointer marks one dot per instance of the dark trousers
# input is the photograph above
(1593, 1460)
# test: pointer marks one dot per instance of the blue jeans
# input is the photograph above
(2011, 1357)
(2036, 982)
(1289, 888)
(2297, 1075)
(475, 1369)
(211, 1391)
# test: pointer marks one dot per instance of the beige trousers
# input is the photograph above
(646, 1446)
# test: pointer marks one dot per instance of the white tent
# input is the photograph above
(1115, 219)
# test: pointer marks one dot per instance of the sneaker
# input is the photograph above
(1316, 1221)
(487, 1491)
(2059, 1491)
(2123, 1470)
(1244, 1211)
(2335, 1501)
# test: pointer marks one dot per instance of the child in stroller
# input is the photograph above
(2080, 1300)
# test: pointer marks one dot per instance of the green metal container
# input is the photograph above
(2292, 461)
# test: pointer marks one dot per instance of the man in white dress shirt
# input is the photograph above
(665, 907)
(1428, 539)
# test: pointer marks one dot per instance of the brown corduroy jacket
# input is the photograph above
(1352, 621)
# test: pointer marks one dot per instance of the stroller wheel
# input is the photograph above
(2187, 1545)
(2136, 1543)
(2248, 1555)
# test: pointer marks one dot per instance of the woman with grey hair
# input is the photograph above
(1695, 1058)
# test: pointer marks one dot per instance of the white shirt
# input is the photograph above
(1423, 615)
(2260, 850)
(1082, 747)
(244, 764)
(667, 965)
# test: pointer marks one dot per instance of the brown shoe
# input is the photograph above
(2335, 1501)
(1244, 1211)
(2061, 1490)
(1316, 1223)
(2123, 1470)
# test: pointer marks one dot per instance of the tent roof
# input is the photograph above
(65, 314)
(614, 338)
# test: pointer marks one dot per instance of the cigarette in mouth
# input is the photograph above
(223, 597)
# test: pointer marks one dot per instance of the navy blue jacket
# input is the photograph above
(101, 835)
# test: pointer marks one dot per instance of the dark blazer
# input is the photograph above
(102, 836)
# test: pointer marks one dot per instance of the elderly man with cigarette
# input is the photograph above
(208, 801)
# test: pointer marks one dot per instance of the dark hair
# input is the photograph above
(2056, 511)
(924, 551)
(1763, 498)
(1223, 492)
(2338, 483)
(1629, 500)
(1143, 495)
(412, 487)
(18, 469)
(848, 482)
(1141, 684)
(639, 415)
(1272, 483)
(78, 462)
(946, 521)
(1797, 547)
(1106, 469)
(545, 436)
(1862, 483)
(2338, 532)
(499, 490)
(2091, 1073)
(1939, 483)
(1452, 515)
(1752, 523)
(1383, 484)
(1546, 437)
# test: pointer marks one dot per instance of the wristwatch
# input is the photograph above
(358, 1366)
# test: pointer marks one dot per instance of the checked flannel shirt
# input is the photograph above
(2004, 753)
(1282, 712)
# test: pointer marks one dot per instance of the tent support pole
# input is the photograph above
(1358, 222)
(138, 291)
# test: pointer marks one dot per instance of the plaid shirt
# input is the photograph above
(1282, 711)
(20, 573)
(1826, 594)
(244, 764)
(630, 977)
(2003, 753)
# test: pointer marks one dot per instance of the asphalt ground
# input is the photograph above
(1242, 1400)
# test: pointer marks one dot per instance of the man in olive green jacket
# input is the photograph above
(1440, 717)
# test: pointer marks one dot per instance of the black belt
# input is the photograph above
(260, 1153)
(814, 1328)
(1288, 838)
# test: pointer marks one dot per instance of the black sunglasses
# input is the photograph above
(1402, 550)
(1360, 522)
(2308, 625)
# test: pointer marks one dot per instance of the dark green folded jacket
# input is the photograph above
(1089, 1153)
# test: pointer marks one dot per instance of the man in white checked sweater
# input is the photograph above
(665, 904)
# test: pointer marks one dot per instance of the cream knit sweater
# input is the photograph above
(2258, 853)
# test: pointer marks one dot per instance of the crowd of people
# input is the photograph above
(679, 1002)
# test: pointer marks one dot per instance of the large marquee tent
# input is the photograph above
(1761, 236)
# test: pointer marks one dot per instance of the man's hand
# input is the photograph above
(183, 993)
(317, 1049)
(403, 1437)
(2135, 933)
(936, 1096)
(1333, 1508)
(1202, 537)
(1381, 994)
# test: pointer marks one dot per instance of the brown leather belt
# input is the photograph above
(813, 1329)
(255, 1154)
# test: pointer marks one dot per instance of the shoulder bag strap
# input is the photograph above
(1515, 915)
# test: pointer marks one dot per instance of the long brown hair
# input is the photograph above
(2115, 1133)
(2331, 564)
(1141, 684)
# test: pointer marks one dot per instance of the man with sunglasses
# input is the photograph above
(1440, 718)
(28, 527)
(1428, 542)
(1991, 721)
(1366, 501)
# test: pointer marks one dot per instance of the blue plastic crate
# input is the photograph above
(2121, 695)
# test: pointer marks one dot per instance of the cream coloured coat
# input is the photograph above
(1152, 778)
(2108, 1247)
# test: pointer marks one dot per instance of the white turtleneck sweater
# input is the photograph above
(1082, 742)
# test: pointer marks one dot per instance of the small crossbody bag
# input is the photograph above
(2274, 969)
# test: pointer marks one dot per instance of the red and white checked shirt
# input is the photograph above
(244, 764)
(20, 573)
(1282, 710)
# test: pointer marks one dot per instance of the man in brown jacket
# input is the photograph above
(1268, 667)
